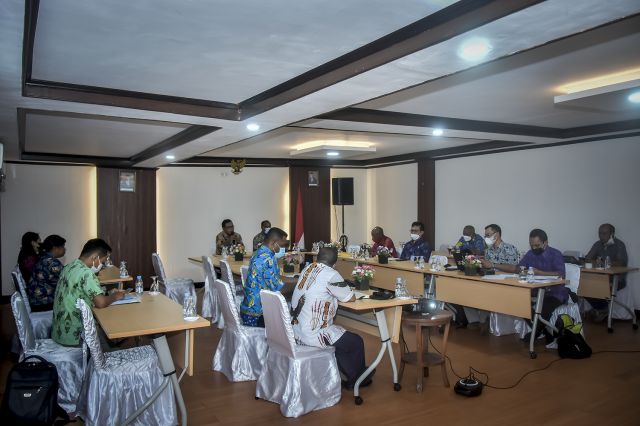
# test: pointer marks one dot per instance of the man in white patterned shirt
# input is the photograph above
(498, 252)
(314, 305)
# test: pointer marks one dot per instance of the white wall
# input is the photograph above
(394, 199)
(193, 201)
(385, 196)
(567, 190)
(48, 200)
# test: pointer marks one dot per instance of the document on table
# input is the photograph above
(499, 276)
(128, 298)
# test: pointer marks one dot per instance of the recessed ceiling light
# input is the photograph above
(634, 97)
(170, 157)
(253, 127)
(333, 154)
(437, 132)
(474, 49)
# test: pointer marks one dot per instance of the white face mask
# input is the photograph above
(266, 230)
(489, 241)
(466, 238)
(414, 237)
(95, 269)
(610, 242)
(280, 253)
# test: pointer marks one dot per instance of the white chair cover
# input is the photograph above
(41, 321)
(173, 288)
(118, 383)
(299, 378)
(68, 361)
(227, 276)
(244, 275)
(210, 307)
(241, 350)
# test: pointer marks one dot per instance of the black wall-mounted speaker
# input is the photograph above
(342, 191)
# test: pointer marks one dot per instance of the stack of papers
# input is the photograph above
(499, 276)
(128, 298)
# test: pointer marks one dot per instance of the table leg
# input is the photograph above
(614, 292)
(168, 369)
(385, 346)
(419, 366)
(536, 318)
(445, 338)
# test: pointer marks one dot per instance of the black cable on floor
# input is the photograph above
(486, 382)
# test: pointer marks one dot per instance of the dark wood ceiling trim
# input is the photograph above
(129, 99)
(363, 115)
(22, 128)
(596, 129)
(456, 19)
(76, 159)
(187, 135)
(31, 8)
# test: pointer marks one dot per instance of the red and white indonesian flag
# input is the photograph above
(299, 233)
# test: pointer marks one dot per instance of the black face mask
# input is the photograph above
(538, 251)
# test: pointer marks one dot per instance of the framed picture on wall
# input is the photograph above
(127, 181)
(313, 178)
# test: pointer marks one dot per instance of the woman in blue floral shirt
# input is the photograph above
(44, 278)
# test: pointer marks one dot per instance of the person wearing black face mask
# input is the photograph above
(544, 260)
(607, 245)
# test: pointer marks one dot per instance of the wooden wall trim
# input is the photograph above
(427, 198)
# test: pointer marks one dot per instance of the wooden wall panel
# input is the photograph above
(127, 220)
(427, 198)
(316, 204)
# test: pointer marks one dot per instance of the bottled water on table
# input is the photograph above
(139, 286)
(607, 262)
(401, 289)
(123, 269)
(189, 307)
(530, 275)
(523, 274)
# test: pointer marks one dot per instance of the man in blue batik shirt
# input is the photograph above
(470, 241)
(264, 274)
(418, 246)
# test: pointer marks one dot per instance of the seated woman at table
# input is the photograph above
(264, 274)
(28, 255)
(78, 280)
(46, 273)
(315, 303)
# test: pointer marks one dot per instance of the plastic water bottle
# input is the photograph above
(421, 262)
(187, 302)
(607, 262)
(530, 275)
(139, 286)
(398, 286)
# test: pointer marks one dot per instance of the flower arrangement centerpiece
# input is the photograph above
(383, 255)
(471, 264)
(238, 251)
(289, 262)
(362, 274)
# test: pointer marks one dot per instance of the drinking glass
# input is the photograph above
(522, 276)
(155, 287)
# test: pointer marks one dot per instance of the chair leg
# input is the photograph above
(402, 353)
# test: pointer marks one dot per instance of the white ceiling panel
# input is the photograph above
(218, 50)
(93, 136)
(279, 143)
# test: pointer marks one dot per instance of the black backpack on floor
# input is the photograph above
(31, 394)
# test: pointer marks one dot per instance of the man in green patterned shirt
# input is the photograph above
(78, 280)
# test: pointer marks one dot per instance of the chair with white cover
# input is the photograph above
(226, 275)
(210, 307)
(41, 321)
(118, 384)
(299, 378)
(173, 288)
(68, 361)
(241, 350)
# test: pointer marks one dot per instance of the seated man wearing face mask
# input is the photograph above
(498, 252)
(78, 280)
(470, 241)
(264, 274)
(265, 226)
(607, 245)
(545, 260)
(417, 246)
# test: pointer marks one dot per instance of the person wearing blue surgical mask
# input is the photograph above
(264, 274)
